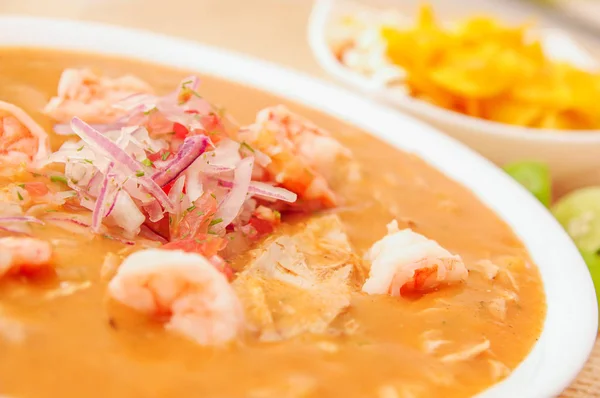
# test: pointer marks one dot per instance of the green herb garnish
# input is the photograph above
(248, 147)
(88, 161)
(147, 162)
(58, 179)
(165, 155)
(215, 222)
(140, 173)
(80, 148)
(191, 208)
(19, 195)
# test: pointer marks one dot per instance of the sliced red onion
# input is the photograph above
(65, 129)
(148, 233)
(137, 102)
(261, 158)
(27, 219)
(233, 202)
(14, 231)
(189, 151)
(177, 197)
(154, 211)
(113, 202)
(104, 145)
(98, 213)
(265, 190)
(126, 215)
(70, 218)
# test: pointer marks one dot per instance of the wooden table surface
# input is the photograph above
(275, 30)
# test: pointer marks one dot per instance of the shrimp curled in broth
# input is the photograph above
(91, 97)
(405, 262)
(199, 301)
(22, 140)
(23, 255)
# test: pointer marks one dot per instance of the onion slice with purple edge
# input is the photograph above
(189, 151)
(29, 219)
(75, 220)
(233, 202)
(65, 129)
(265, 190)
(103, 144)
(98, 213)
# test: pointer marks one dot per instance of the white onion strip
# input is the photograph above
(236, 197)
(98, 213)
(101, 143)
(265, 190)
(28, 219)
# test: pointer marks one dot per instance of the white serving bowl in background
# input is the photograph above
(571, 323)
(573, 156)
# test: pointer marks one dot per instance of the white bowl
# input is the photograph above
(571, 323)
(573, 156)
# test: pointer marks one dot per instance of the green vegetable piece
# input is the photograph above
(535, 177)
(579, 214)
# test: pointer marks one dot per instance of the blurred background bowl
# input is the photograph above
(573, 156)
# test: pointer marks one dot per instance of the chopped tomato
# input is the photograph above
(167, 188)
(261, 226)
(205, 244)
(180, 130)
(196, 219)
(160, 227)
(36, 188)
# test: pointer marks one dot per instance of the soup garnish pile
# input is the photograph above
(164, 249)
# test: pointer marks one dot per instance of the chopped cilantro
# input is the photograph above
(200, 213)
(88, 161)
(248, 147)
(147, 162)
(140, 173)
(149, 111)
(19, 195)
(80, 148)
(191, 208)
(58, 179)
(215, 222)
(184, 84)
(165, 155)
(181, 195)
(21, 185)
(213, 195)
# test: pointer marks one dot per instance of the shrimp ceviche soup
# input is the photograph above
(169, 235)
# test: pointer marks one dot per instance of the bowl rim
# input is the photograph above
(319, 20)
(567, 337)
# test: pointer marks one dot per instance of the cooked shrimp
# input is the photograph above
(404, 262)
(90, 97)
(197, 298)
(23, 255)
(301, 153)
(22, 140)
